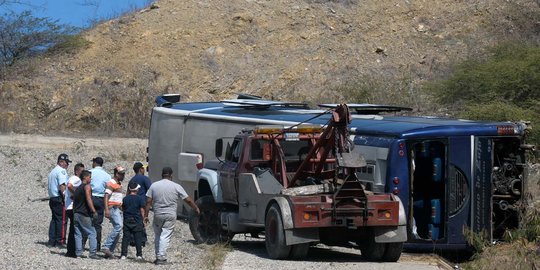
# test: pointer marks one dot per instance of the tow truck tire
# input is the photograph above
(372, 251)
(392, 252)
(205, 227)
(299, 251)
(275, 234)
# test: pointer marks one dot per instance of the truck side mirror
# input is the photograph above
(219, 147)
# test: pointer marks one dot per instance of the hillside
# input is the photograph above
(293, 50)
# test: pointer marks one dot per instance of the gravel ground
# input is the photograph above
(25, 162)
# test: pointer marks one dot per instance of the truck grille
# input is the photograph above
(458, 190)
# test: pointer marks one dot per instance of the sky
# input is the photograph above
(79, 13)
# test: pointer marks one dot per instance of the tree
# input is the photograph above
(22, 34)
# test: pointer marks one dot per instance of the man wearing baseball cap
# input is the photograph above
(56, 186)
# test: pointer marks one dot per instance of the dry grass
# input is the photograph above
(215, 255)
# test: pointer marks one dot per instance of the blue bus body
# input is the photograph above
(451, 175)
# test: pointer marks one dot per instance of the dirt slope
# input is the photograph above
(209, 50)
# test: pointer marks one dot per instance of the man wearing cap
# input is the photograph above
(133, 206)
(141, 179)
(163, 197)
(56, 185)
(113, 204)
(99, 182)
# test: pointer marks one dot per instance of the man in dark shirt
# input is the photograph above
(83, 212)
(141, 179)
(133, 207)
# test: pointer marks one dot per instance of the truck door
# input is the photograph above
(228, 172)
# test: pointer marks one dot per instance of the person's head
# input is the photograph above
(79, 167)
(166, 173)
(86, 176)
(63, 160)
(133, 187)
(139, 168)
(119, 173)
(97, 162)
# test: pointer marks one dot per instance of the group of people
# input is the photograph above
(88, 196)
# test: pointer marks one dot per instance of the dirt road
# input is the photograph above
(30, 157)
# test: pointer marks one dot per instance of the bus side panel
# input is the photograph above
(482, 187)
(458, 188)
(164, 143)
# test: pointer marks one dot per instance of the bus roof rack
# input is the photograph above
(366, 108)
(261, 103)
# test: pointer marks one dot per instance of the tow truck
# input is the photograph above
(299, 186)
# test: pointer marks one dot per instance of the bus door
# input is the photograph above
(427, 190)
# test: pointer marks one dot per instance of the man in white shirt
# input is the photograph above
(74, 181)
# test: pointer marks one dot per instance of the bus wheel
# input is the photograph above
(205, 227)
(275, 235)
(299, 251)
(392, 252)
(371, 251)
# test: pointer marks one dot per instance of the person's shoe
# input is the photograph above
(160, 262)
(123, 258)
(80, 256)
(71, 255)
(107, 253)
(94, 257)
(139, 258)
(60, 245)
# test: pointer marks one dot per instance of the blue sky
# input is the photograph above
(79, 13)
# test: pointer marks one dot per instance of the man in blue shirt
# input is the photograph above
(99, 182)
(141, 179)
(56, 186)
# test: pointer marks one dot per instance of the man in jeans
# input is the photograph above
(113, 205)
(163, 197)
(99, 182)
(56, 186)
(83, 212)
(74, 182)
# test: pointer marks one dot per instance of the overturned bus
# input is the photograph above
(451, 175)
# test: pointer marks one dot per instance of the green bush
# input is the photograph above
(511, 73)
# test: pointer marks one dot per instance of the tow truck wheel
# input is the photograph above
(299, 251)
(205, 227)
(392, 252)
(372, 251)
(275, 235)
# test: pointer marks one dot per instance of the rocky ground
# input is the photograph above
(25, 162)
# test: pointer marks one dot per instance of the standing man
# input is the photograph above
(83, 213)
(141, 179)
(74, 182)
(163, 197)
(113, 205)
(56, 185)
(144, 182)
(99, 182)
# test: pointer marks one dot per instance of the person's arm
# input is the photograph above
(191, 203)
(142, 214)
(88, 195)
(147, 208)
(71, 188)
(106, 202)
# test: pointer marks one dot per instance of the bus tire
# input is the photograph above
(299, 251)
(392, 252)
(275, 234)
(205, 227)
